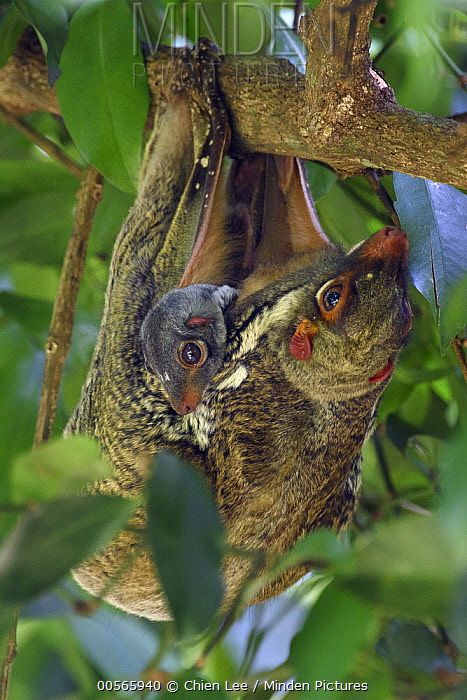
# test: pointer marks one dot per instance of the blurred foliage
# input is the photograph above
(387, 605)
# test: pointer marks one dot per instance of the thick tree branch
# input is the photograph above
(342, 113)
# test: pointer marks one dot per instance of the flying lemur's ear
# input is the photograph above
(225, 296)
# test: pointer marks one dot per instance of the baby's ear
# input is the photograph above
(225, 296)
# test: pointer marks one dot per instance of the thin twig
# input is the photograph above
(458, 347)
(58, 342)
(414, 508)
(458, 72)
(374, 179)
(10, 653)
(42, 142)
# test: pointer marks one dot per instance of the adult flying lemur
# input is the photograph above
(310, 345)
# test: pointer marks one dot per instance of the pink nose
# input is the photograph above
(188, 401)
(387, 242)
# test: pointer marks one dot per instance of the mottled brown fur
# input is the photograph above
(278, 440)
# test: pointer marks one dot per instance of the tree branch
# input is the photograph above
(374, 179)
(42, 142)
(341, 113)
(61, 326)
(9, 658)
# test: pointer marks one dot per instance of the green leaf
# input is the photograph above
(320, 178)
(458, 626)
(322, 546)
(104, 109)
(36, 282)
(393, 397)
(37, 228)
(431, 214)
(407, 566)
(50, 20)
(453, 512)
(7, 616)
(12, 26)
(58, 468)
(337, 628)
(423, 451)
(33, 314)
(186, 539)
(53, 538)
(251, 21)
(412, 646)
(51, 659)
(347, 219)
(21, 177)
(20, 382)
(109, 217)
(452, 320)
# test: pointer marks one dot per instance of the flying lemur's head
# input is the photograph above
(183, 339)
(338, 329)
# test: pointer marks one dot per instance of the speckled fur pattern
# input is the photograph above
(278, 441)
(279, 462)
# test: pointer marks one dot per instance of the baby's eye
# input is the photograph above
(192, 353)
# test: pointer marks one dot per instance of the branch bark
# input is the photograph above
(341, 113)
(61, 326)
(9, 657)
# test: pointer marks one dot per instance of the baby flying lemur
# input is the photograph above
(310, 345)
(183, 338)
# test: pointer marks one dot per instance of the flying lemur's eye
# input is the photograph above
(192, 353)
(332, 297)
